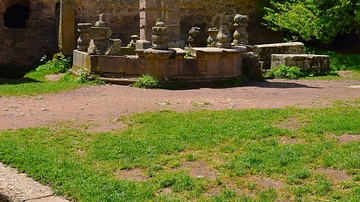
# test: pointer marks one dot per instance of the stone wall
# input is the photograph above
(26, 45)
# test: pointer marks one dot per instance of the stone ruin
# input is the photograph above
(158, 50)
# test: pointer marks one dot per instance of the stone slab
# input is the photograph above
(265, 51)
(317, 63)
(17, 187)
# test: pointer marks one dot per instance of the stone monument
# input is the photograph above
(66, 39)
(153, 11)
(84, 36)
(211, 40)
(240, 34)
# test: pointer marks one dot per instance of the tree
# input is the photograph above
(312, 19)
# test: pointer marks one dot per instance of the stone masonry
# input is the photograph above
(23, 46)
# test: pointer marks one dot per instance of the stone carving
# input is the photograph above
(84, 37)
(159, 36)
(240, 34)
(252, 66)
(211, 40)
(223, 38)
(134, 39)
(194, 38)
(100, 35)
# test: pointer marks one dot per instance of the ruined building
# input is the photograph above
(29, 28)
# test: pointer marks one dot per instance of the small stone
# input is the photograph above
(6, 109)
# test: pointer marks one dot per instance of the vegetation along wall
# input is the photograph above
(28, 28)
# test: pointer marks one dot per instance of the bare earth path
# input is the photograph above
(108, 102)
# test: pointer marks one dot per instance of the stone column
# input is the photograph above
(84, 37)
(240, 34)
(159, 36)
(223, 37)
(152, 11)
(66, 37)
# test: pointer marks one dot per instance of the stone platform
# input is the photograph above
(206, 64)
(316, 63)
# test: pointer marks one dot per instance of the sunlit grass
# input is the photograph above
(239, 146)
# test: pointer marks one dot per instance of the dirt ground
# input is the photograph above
(102, 104)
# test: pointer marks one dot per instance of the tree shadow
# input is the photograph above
(4, 81)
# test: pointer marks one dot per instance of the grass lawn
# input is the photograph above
(244, 155)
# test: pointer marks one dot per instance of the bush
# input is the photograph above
(147, 81)
(285, 72)
(59, 64)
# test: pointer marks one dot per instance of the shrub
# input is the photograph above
(147, 81)
(59, 64)
(286, 72)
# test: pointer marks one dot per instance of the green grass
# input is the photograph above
(339, 61)
(34, 82)
(239, 145)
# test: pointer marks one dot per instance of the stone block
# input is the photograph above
(36, 5)
(316, 63)
(84, 60)
(34, 15)
(265, 51)
(115, 47)
(30, 24)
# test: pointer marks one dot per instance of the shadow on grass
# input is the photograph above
(17, 81)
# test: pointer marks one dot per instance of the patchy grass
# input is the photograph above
(201, 155)
(35, 82)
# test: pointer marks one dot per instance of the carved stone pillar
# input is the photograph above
(100, 35)
(194, 37)
(240, 34)
(84, 37)
(211, 40)
(159, 37)
(223, 37)
(66, 39)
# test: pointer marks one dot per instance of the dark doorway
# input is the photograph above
(16, 15)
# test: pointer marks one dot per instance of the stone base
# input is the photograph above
(265, 51)
(316, 63)
(209, 64)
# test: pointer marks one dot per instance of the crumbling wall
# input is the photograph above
(23, 46)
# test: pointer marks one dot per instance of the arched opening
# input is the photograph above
(16, 15)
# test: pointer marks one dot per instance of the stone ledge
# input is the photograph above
(16, 187)
(317, 63)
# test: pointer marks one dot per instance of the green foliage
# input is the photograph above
(59, 64)
(285, 72)
(147, 81)
(312, 19)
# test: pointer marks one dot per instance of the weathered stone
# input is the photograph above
(265, 51)
(142, 44)
(252, 67)
(115, 47)
(223, 37)
(211, 40)
(84, 36)
(44, 23)
(36, 5)
(67, 27)
(159, 37)
(194, 38)
(132, 43)
(316, 63)
(240, 34)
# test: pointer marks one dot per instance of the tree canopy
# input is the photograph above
(312, 19)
